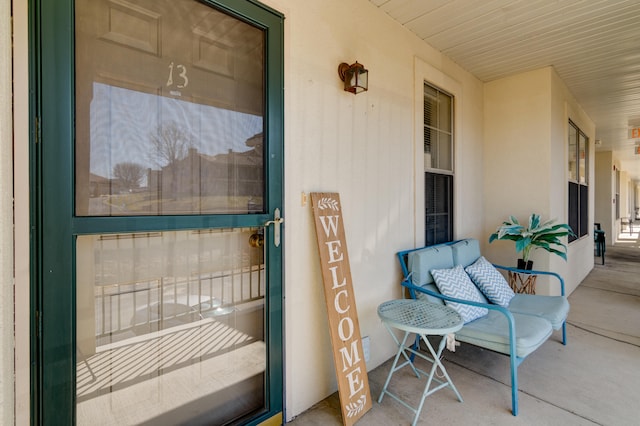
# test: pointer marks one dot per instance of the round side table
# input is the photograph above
(424, 319)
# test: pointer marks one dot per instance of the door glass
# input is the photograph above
(170, 327)
(169, 121)
(573, 149)
(438, 128)
(169, 109)
(583, 153)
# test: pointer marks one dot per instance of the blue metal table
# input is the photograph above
(424, 319)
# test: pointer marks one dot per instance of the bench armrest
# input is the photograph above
(533, 272)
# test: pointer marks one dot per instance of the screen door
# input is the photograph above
(160, 175)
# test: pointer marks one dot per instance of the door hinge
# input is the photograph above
(38, 322)
(36, 130)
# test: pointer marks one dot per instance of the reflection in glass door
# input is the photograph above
(170, 107)
(170, 327)
(159, 284)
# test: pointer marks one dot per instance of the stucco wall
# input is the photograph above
(633, 201)
(625, 206)
(615, 189)
(580, 252)
(604, 193)
(517, 160)
(525, 165)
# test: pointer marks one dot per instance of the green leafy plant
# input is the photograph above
(545, 235)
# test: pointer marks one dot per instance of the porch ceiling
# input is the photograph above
(593, 45)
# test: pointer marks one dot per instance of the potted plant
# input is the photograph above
(545, 235)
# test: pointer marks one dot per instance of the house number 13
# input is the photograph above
(182, 73)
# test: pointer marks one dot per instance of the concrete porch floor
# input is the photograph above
(594, 380)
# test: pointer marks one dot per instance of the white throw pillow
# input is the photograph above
(490, 282)
(456, 283)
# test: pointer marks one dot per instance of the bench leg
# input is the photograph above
(514, 385)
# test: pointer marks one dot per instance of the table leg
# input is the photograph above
(401, 351)
(434, 367)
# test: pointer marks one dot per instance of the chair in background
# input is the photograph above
(599, 239)
(626, 222)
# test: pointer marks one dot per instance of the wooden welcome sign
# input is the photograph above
(351, 370)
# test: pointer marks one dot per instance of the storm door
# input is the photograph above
(158, 190)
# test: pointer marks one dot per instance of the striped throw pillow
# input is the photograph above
(491, 282)
(455, 282)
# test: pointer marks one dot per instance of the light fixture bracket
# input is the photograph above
(355, 77)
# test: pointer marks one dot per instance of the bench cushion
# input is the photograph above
(465, 252)
(428, 298)
(552, 308)
(492, 332)
(422, 261)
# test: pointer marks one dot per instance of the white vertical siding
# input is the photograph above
(6, 218)
(21, 219)
(363, 147)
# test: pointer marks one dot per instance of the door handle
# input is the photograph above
(277, 220)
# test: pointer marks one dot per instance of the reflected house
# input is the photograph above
(234, 174)
(100, 185)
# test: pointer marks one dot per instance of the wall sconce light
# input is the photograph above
(355, 77)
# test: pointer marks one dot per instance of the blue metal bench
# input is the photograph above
(516, 330)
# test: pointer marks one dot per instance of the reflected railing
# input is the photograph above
(131, 309)
(173, 311)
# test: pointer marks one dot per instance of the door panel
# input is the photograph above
(169, 103)
(170, 109)
(157, 289)
(168, 325)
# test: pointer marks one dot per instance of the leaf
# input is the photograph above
(534, 221)
(522, 244)
(328, 203)
(513, 220)
(514, 230)
(354, 408)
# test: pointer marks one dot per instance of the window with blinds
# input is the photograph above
(578, 210)
(438, 165)
(438, 208)
(438, 129)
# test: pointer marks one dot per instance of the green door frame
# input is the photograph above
(54, 227)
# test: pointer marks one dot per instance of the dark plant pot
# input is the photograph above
(527, 267)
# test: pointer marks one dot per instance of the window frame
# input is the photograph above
(425, 72)
(439, 129)
(578, 182)
(438, 173)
